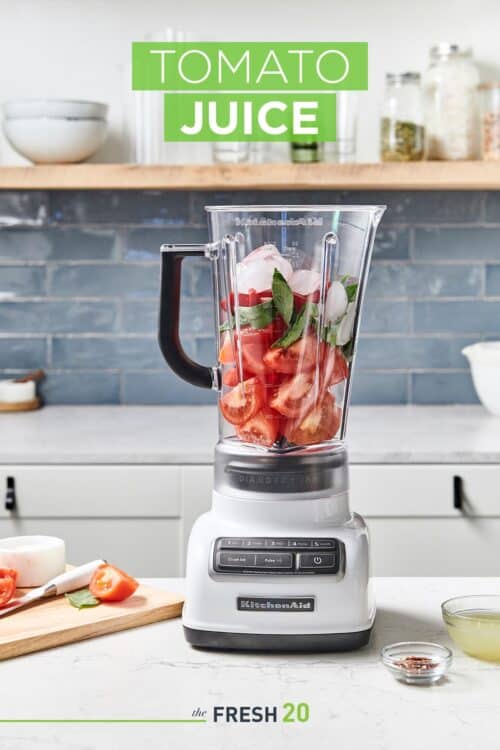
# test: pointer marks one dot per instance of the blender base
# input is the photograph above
(209, 639)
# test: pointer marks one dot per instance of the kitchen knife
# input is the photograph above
(76, 578)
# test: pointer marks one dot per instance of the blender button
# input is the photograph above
(253, 542)
(276, 560)
(236, 559)
(230, 542)
(323, 543)
(313, 561)
(276, 543)
(299, 543)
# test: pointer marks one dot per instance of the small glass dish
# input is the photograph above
(473, 622)
(417, 662)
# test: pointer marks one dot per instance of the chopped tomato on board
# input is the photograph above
(8, 578)
(295, 396)
(299, 357)
(110, 584)
(262, 429)
(321, 423)
(243, 402)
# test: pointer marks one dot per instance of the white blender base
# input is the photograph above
(343, 612)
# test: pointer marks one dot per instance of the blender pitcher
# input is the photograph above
(288, 288)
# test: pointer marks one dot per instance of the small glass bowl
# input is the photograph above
(417, 662)
(473, 623)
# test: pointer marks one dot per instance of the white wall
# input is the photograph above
(81, 48)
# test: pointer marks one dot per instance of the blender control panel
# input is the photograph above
(289, 556)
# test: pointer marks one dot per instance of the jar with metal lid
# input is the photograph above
(489, 94)
(451, 104)
(402, 131)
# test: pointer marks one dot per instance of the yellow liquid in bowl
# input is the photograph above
(476, 632)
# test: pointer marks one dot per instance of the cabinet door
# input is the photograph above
(197, 484)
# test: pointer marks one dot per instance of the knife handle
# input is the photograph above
(76, 578)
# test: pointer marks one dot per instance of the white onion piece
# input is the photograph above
(261, 253)
(259, 274)
(346, 325)
(336, 302)
(305, 282)
(37, 559)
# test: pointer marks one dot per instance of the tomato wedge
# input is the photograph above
(295, 396)
(299, 300)
(243, 402)
(232, 378)
(8, 578)
(246, 300)
(262, 429)
(334, 365)
(111, 584)
(299, 357)
(321, 423)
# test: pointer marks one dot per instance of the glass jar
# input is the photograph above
(451, 104)
(490, 120)
(402, 131)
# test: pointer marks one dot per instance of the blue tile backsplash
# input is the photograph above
(79, 274)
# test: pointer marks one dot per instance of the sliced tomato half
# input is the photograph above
(111, 584)
(8, 578)
(262, 429)
(320, 424)
(299, 357)
(243, 402)
(295, 396)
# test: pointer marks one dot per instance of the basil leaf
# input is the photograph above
(348, 350)
(81, 599)
(351, 291)
(282, 296)
(257, 316)
(298, 326)
(227, 326)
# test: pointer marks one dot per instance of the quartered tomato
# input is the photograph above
(111, 584)
(334, 365)
(8, 578)
(299, 357)
(262, 429)
(246, 300)
(254, 343)
(243, 402)
(299, 300)
(231, 377)
(295, 396)
(321, 423)
(227, 354)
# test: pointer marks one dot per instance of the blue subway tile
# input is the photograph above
(493, 280)
(81, 388)
(163, 388)
(58, 317)
(381, 316)
(391, 243)
(379, 388)
(23, 281)
(23, 353)
(492, 208)
(105, 352)
(143, 244)
(465, 316)
(457, 243)
(153, 207)
(140, 316)
(411, 352)
(27, 207)
(106, 280)
(443, 388)
(57, 244)
(425, 280)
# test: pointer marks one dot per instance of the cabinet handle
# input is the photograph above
(458, 493)
(10, 495)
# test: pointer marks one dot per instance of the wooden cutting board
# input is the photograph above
(54, 622)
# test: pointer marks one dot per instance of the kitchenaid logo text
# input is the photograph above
(263, 604)
(249, 92)
(301, 221)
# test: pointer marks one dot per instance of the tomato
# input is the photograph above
(254, 343)
(232, 378)
(246, 300)
(111, 584)
(227, 350)
(8, 578)
(334, 365)
(295, 396)
(243, 402)
(299, 357)
(321, 423)
(299, 300)
(262, 429)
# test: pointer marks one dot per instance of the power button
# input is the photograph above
(313, 561)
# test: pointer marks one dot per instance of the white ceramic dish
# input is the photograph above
(15, 393)
(58, 108)
(55, 141)
(484, 360)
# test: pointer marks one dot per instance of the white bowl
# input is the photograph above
(55, 141)
(484, 360)
(24, 108)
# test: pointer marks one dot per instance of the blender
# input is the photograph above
(279, 562)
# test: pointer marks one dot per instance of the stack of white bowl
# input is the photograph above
(55, 131)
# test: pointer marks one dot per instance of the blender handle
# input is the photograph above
(168, 329)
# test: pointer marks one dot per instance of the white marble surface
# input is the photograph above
(186, 435)
(355, 704)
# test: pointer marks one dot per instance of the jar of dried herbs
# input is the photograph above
(402, 130)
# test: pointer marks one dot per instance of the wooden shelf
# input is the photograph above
(476, 175)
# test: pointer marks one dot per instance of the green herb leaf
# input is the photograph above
(81, 599)
(257, 316)
(306, 314)
(351, 291)
(348, 350)
(282, 296)
(227, 326)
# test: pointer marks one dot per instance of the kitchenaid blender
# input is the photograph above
(279, 562)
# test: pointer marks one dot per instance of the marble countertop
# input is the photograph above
(151, 673)
(187, 435)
